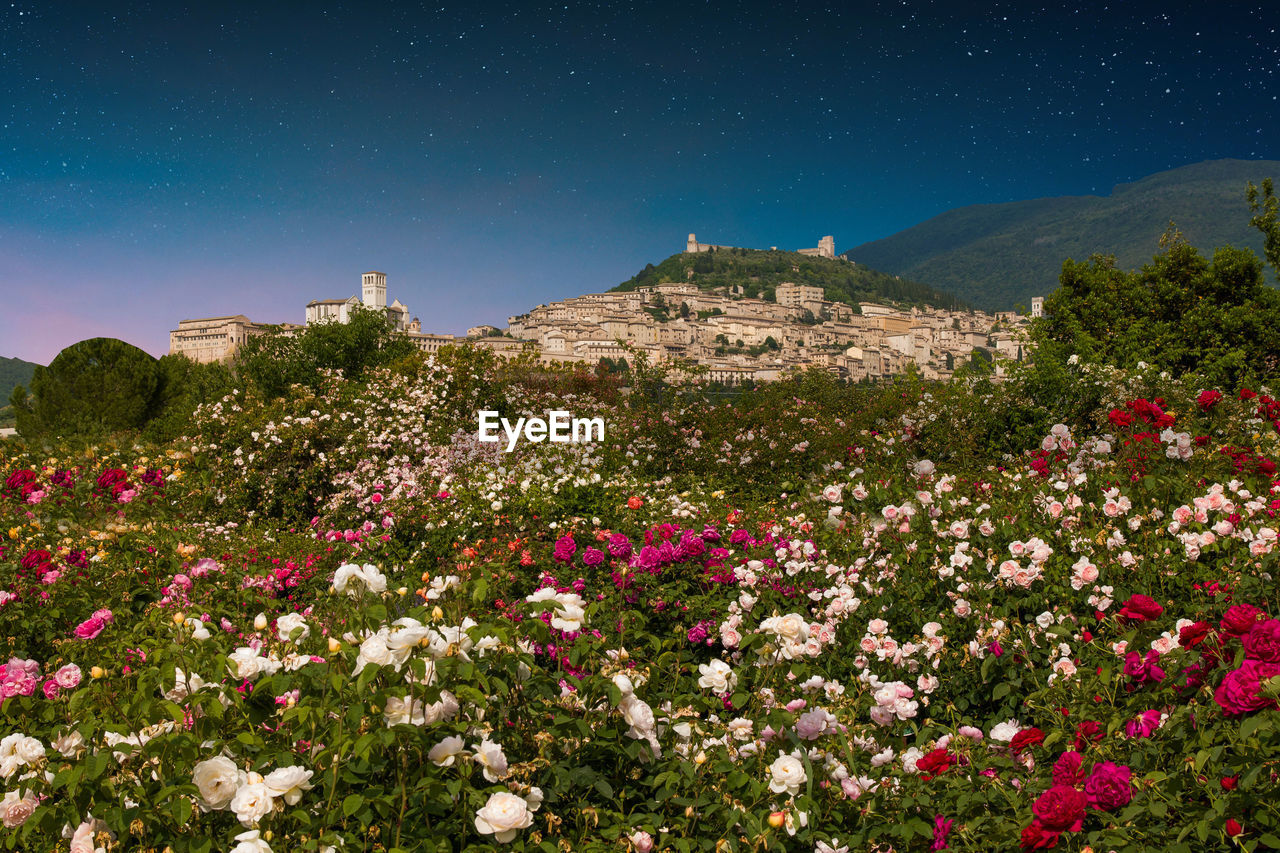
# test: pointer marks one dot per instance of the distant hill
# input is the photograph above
(13, 372)
(759, 272)
(997, 256)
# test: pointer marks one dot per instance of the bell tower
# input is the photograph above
(373, 291)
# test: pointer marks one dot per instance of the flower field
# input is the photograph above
(819, 619)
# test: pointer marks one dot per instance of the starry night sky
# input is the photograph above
(160, 162)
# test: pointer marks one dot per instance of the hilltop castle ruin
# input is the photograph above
(826, 247)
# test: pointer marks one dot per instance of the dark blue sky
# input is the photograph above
(159, 162)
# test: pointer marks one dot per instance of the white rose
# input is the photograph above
(446, 752)
(30, 750)
(290, 622)
(637, 714)
(792, 627)
(375, 580)
(446, 709)
(245, 663)
(402, 712)
(217, 779)
(717, 676)
(492, 760)
(69, 744)
(374, 650)
(82, 839)
(252, 803)
(289, 783)
(786, 775)
(251, 842)
(503, 816)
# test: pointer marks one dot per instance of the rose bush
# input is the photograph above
(335, 621)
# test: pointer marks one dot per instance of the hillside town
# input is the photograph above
(725, 336)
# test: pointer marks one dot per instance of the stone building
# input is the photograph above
(216, 338)
(373, 295)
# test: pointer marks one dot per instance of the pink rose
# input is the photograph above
(90, 628)
(68, 677)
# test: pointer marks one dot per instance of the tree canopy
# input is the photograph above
(1181, 312)
(96, 386)
(274, 361)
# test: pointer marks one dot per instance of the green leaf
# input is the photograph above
(351, 804)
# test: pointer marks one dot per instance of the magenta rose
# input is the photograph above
(1239, 619)
(1060, 809)
(593, 556)
(1144, 726)
(1108, 786)
(565, 548)
(620, 546)
(1263, 641)
(1238, 692)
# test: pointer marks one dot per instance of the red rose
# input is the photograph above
(934, 762)
(1141, 608)
(1239, 619)
(1120, 418)
(1190, 636)
(35, 557)
(1208, 399)
(1087, 734)
(1233, 827)
(1263, 641)
(1229, 783)
(1246, 394)
(1036, 837)
(1067, 769)
(1061, 808)
(1026, 739)
(1108, 786)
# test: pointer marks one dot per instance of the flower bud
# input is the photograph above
(97, 672)
(260, 622)
(776, 819)
(179, 618)
(334, 644)
(437, 613)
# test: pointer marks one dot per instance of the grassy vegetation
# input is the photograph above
(759, 273)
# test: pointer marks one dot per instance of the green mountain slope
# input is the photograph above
(13, 372)
(997, 256)
(759, 272)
